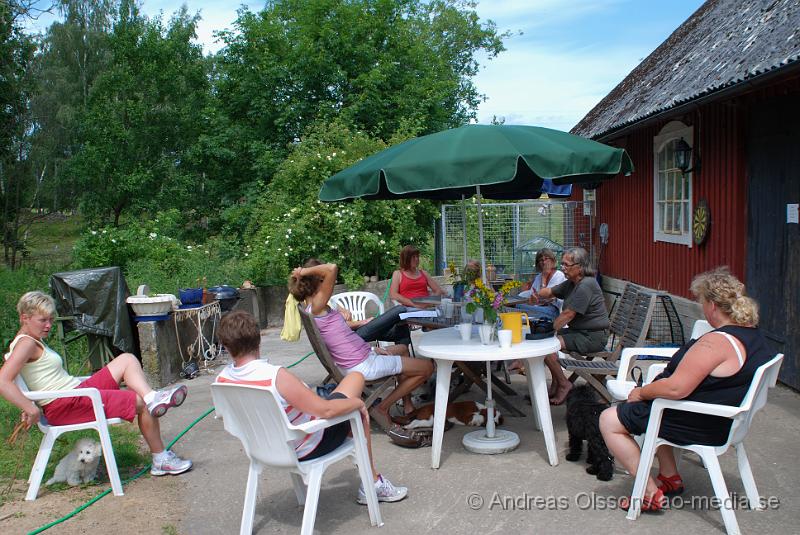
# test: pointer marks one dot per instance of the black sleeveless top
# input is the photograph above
(691, 428)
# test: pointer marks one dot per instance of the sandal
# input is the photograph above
(671, 486)
(654, 504)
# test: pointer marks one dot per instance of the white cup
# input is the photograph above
(465, 329)
(447, 307)
(504, 336)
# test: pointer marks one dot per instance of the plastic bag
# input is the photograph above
(291, 321)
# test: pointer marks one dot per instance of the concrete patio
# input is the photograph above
(517, 492)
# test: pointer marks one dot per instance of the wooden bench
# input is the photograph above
(629, 325)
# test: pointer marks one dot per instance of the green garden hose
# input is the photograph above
(142, 471)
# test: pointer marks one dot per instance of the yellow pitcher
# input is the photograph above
(513, 322)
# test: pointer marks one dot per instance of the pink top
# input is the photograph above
(346, 347)
(412, 288)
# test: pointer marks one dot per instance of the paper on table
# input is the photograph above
(420, 314)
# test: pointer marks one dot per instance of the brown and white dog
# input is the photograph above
(468, 413)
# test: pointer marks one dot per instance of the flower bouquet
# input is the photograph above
(485, 298)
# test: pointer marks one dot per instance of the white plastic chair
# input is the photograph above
(253, 415)
(621, 386)
(356, 303)
(764, 378)
(52, 432)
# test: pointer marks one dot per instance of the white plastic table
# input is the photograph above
(445, 346)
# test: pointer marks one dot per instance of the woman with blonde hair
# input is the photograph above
(43, 369)
(716, 368)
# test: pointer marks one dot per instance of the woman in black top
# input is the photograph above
(716, 368)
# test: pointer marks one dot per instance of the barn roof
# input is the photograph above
(725, 43)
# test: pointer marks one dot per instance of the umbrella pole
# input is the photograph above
(464, 227)
(480, 237)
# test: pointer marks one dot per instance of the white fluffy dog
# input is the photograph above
(79, 465)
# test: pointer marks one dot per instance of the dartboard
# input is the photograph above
(701, 220)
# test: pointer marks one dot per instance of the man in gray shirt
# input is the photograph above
(584, 310)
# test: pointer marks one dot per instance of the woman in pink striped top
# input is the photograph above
(314, 286)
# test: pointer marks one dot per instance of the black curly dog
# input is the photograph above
(583, 423)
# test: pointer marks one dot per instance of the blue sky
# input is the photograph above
(570, 55)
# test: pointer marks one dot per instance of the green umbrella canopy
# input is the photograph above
(507, 161)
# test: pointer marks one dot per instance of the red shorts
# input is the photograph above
(116, 403)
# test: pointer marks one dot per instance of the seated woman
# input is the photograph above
(314, 287)
(716, 368)
(584, 310)
(388, 327)
(410, 282)
(548, 277)
(238, 332)
(42, 369)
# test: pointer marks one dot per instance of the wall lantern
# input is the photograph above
(683, 157)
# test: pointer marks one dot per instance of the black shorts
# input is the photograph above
(332, 437)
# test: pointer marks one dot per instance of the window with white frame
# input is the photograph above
(672, 188)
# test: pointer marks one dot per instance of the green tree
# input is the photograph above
(372, 63)
(363, 237)
(16, 84)
(142, 118)
(73, 53)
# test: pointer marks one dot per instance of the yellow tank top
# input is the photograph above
(45, 373)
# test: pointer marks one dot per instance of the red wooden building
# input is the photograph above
(725, 84)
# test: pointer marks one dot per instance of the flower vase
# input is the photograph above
(486, 331)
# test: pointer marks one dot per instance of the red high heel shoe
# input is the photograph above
(672, 485)
(654, 504)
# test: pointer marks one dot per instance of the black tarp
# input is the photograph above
(96, 297)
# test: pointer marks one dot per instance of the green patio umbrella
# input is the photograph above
(506, 161)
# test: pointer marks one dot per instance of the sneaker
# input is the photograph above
(166, 398)
(170, 464)
(386, 492)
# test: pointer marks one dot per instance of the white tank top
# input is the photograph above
(45, 373)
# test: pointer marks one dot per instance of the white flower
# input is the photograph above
(287, 236)
(334, 155)
(382, 242)
(352, 236)
(247, 254)
(285, 254)
(104, 231)
(328, 157)
(94, 232)
(188, 247)
(153, 235)
(289, 230)
(113, 240)
(333, 247)
(207, 251)
(319, 155)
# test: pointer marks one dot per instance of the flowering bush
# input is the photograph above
(291, 225)
(149, 253)
(485, 298)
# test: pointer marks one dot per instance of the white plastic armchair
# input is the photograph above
(764, 378)
(52, 432)
(253, 415)
(356, 303)
(620, 386)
